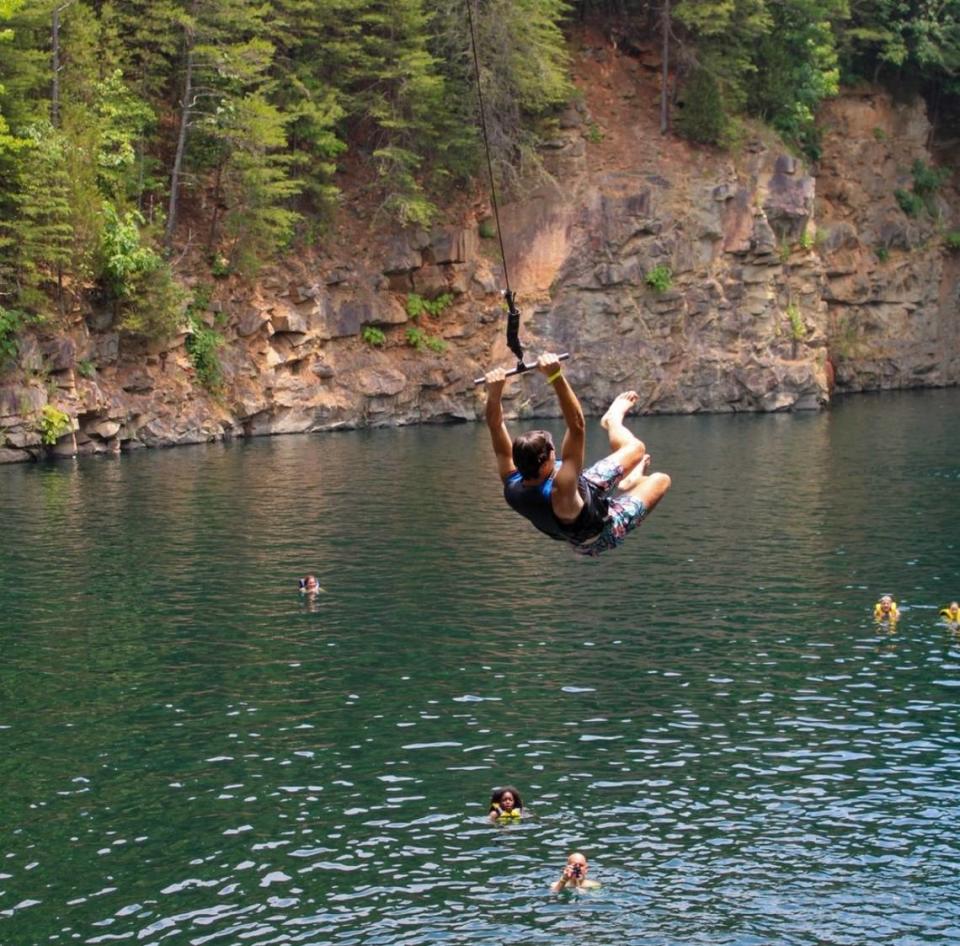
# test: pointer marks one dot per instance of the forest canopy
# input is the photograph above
(133, 129)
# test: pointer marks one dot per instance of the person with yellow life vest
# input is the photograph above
(886, 609)
(951, 613)
(505, 805)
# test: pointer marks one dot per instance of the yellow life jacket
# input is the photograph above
(882, 615)
(945, 613)
(515, 814)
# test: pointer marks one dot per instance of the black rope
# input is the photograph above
(513, 314)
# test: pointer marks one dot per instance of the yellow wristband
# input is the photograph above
(554, 376)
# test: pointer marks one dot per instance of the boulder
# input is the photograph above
(251, 321)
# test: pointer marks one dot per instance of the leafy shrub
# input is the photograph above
(952, 240)
(417, 338)
(124, 257)
(202, 345)
(883, 253)
(594, 134)
(11, 323)
(220, 266)
(86, 368)
(879, 134)
(702, 117)
(53, 424)
(487, 230)
(660, 278)
(926, 180)
(910, 203)
(807, 240)
(798, 331)
(373, 336)
(417, 305)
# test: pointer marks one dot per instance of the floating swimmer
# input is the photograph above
(574, 875)
(505, 804)
(886, 609)
(951, 613)
(560, 497)
(309, 585)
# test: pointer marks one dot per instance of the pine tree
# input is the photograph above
(238, 134)
(42, 228)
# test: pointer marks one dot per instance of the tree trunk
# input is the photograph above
(665, 69)
(55, 47)
(186, 110)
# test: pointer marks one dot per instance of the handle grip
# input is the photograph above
(521, 368)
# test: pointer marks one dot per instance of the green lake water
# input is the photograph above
(192, 753)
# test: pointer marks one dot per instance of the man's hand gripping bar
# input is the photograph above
(521, 367)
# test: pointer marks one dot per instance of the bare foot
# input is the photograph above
(616, 411)
(636, 474)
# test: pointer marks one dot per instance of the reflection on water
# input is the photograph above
(194, 752)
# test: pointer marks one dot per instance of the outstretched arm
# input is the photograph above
(499, 435)
(566, 500)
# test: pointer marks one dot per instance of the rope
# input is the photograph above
(513, 315)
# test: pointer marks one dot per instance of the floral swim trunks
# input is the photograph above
(624, 513)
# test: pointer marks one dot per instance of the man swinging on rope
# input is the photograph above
(559, 497)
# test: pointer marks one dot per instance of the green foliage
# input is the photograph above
(883, 253)
(807, 240)
(39, 232)
(594, 133)
(798, 330)
(202, 346)
(373, 336)
(419, 339)
(702, 117)
(795, 68)
(913, 42)
(660, 278)
(53, 424)
(910, 203)
(124, 258)
(784, 251)
(879, 134)
(220, 266)
(12, 322)
(927, 181)
(86, 368)
(952, 241)
(146, 297)
(487, 229)
(417, 305)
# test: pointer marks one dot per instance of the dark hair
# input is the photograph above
(530, 449)
(497, 794)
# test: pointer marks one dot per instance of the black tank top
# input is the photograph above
(533, 503)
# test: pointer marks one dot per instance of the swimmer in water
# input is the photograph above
(574, 875)
(309, 585)
(886, 609)
(951, 613)
(505, 804)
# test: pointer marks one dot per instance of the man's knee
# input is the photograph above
(651, 489)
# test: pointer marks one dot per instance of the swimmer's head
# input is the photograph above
(578, 865)
(506, 799)
(530, 451)
(309, 583)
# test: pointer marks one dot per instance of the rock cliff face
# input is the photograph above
(891, 287)
(704, 282)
